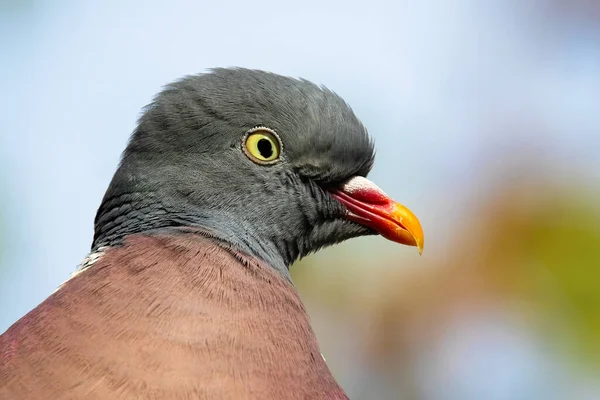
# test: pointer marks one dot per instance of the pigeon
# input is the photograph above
(228, 178)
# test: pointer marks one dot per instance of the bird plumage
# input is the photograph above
(186, 292)
(168, 316)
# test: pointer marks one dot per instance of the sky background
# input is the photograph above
(446, 88)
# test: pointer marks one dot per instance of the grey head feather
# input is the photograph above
(184, 166)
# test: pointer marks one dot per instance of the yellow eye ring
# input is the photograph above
(262, 145)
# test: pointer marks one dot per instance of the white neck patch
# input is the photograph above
(85, 264)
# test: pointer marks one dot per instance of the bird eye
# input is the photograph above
(262, 145)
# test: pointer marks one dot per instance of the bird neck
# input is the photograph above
(176, 315)
(144, 212)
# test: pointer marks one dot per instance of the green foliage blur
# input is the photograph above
(561, 242)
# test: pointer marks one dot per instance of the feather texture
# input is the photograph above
(168, 316)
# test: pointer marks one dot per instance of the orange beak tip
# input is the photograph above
(410, 224)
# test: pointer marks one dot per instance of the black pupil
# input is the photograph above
(265, 148)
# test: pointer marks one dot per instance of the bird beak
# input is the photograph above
(370, 206)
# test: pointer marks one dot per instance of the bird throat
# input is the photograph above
(121, 216)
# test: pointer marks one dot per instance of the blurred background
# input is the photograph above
(486, 117)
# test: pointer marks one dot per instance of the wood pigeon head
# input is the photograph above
(273, 165)
(229, 177)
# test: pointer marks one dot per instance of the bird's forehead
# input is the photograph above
(316, 126)
(294, 108)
